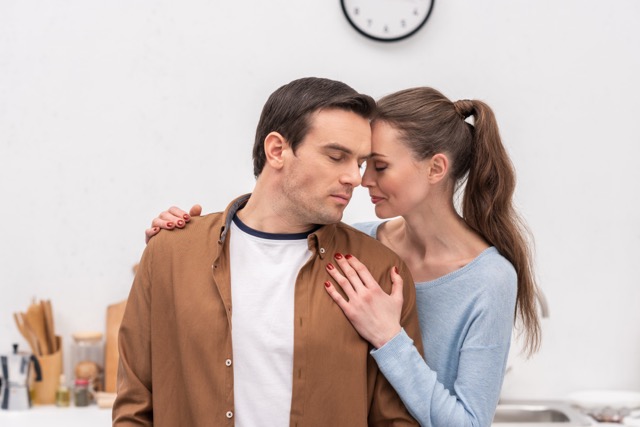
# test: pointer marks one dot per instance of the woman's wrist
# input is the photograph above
(386, 336)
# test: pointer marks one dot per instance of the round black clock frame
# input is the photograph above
(382, 39)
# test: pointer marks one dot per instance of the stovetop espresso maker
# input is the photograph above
(15, 369)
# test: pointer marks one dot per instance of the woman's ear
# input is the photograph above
(438, 168)
(274, 147)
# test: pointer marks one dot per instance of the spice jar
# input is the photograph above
(81, 392)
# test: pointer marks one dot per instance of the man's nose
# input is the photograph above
(352, 176)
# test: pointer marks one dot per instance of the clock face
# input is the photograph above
(387, 20)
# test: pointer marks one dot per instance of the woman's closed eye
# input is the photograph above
(379, 167)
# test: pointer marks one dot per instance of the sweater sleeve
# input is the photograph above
(480, 370)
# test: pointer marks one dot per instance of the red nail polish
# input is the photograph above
(330, 266)
(338, 255)
(180, 223)
(186, 217)
(169, 224)
(156, 229)
(395, 269)
(348, 256)
(327, 284)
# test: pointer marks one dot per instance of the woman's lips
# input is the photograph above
(376, 200)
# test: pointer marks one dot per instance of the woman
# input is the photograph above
(472, 271)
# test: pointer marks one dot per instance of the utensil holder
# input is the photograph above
(44, 392)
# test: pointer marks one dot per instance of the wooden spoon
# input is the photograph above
(27, 333)
(35, 319)
(49, 328)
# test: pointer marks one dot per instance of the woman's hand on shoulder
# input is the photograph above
(174, 217)
(374, 313)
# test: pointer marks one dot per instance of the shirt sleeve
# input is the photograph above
(480, 372)
(133, 404)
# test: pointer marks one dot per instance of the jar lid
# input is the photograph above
(87, 336)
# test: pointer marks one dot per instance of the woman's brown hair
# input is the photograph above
(430, 124)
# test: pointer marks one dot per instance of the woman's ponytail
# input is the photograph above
(487, 207)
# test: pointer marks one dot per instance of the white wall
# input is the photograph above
(112, 111)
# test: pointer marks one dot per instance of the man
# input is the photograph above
(228, 322)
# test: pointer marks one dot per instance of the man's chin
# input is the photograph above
(330, 218)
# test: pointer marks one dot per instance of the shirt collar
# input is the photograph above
(320, 241)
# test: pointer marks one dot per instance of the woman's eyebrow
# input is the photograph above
(374, 154)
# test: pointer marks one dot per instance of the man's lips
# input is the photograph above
(342, 197)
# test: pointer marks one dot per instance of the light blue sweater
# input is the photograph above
(466, 318)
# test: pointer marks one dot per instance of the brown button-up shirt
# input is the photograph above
(176, 365)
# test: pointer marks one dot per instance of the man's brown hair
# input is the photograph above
(288, 110)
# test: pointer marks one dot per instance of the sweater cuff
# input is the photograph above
(389, 352)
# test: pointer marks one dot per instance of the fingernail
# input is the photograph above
(338, 255)
(186, 217)
(327, 284)
(155, 229)
(180, 223)
(169, 224)
(330, 266)
(348, 256)
(395, 269)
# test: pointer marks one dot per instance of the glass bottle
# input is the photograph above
(63, 395)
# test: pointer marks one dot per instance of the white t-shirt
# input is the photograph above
(264, 268)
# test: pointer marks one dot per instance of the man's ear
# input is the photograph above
(274, 146)
(438, 168)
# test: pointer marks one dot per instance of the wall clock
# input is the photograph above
(387, 20)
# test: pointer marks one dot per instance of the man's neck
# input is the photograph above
(265, 212)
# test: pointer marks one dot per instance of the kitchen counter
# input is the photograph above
(52, 416)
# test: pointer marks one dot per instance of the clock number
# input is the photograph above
(387, 20)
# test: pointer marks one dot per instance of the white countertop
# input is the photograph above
(52, 416)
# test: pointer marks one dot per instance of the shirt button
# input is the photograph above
(227, 362)
(229, 414)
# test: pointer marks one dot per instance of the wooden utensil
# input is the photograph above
(115, 312)
(35, 319)
(27, 333)
(49, 328)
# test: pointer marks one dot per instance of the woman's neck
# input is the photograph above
(433, 240)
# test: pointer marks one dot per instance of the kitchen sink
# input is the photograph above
(539, 412)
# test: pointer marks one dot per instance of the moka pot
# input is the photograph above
(15, 369)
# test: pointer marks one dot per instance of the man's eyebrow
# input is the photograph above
(335, 146)
(338, 147)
